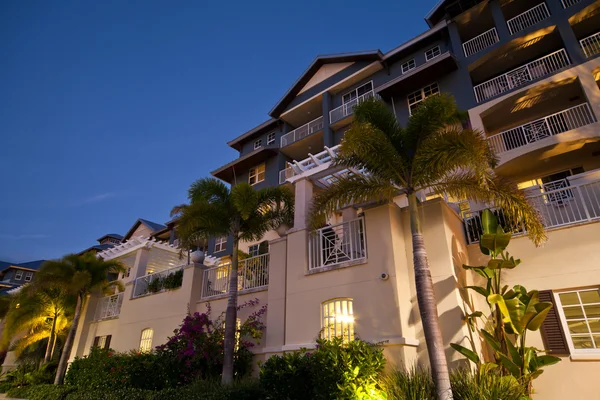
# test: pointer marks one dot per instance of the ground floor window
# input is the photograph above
(146, 340)
(579, 311)
(102, 341)
(338, 319)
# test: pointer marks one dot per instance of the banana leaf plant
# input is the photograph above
(513, 312)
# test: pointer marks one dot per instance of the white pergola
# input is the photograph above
(161, 256)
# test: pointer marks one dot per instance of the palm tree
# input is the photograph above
(433, 152)
(79, 276)
(241, 213)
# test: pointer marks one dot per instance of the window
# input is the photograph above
(146, 340)
(359, 91)
(253, 250)
(407, 66)
(257, 174)
(432, 53)
(338, 319)
(102, 341)
(220, 244)
(579, 312)
(257, 144)
(18, 275)
(271, 138)
(28, 276)
(415, 98)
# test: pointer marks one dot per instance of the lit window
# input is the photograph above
(338, 319)
(257, 144)
(271, 138)
(146, 340)
(415, 98)
(220, 243)
(432, 53)
(579, 312)
(359, 91)
(18, 275)
(407, 66)
(253, 250)
(257, 174)
(28, 276)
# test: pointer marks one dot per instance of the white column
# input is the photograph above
(303, 201)
(141, 259)
(348, 214)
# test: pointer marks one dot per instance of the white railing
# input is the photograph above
(337, 244)
(347, 109)
(569, 3)
(558, 203)
(311, 162)
(305, 130)
(253, 273)
(591, 44)
(480, 42)
(551, 125)
(109, 307)
(522, 75)
(528, 18)
(158, 282)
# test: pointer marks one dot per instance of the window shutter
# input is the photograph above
(552, 331)
(96, 340)
(107, 342)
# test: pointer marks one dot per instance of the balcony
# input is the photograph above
(158, 282)
(566, 202)
(569, 3)
(299, 141)
(302, 132)
(253, 274)
(551, 125)
(345, 110)
(528, 18)
(109, 307)
(522, 75)
(337, 244)
(591, 45)
(480, 42)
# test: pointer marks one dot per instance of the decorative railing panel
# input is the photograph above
(109, 307)
(337, 244)
(253, 273)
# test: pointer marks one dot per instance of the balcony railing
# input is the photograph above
(109, 307)
(480, 42)
(563, 121)
(305, 130)
(253, 273)
(559, 204)
(168, 279)
(522, 75)
(591, 44)
(528, 18)
(341, 112)
(569, 3)
(337, 244)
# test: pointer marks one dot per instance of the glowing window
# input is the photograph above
(338, 319)
(146, 340)
(415, 98)
(257, 174)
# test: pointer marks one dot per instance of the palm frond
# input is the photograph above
(351, 189)
(502, 193)
(210, 190)
(244, 200)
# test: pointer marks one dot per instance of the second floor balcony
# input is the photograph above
(539, 129)
(157, 282)
(109, 307)
(528, 18)
(337, 244)
(253, 274)
(339, 114)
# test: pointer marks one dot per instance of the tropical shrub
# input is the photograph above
(41, 392)
(335, 370)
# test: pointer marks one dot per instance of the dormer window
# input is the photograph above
(258, 144)
(432, 53)
(28, 276)
(18, 275)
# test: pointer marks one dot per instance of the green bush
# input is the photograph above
(115, 394)
(335, 370)
(415, 384)
(41, 392)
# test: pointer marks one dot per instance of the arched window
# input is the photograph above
(338, 319)
(146, 340)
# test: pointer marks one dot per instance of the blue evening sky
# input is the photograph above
(110, 109)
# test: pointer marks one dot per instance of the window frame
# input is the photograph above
(257, 144)
(271, 138)
(146, 341)
(593, 353)
(414, 65)
(254, 250)
(326, 328)
(220, 244)
(355, 91)
(19, 274)
(433, 50)
(28, 276)
(421, 92)
(255, 173)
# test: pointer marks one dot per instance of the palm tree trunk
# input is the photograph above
(428, 306)
(231, 317)
(50, 346)
(64, 357)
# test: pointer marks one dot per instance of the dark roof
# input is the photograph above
(98, 247)
(111, 235)
(319, 61)
(4, 265)
(240, 165)
(409, 46)
(33, 265)
(267, 125)
(152, 225)
(448, 8)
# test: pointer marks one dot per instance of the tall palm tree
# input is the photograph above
(433, 152)
(241, 213)
(80, 276)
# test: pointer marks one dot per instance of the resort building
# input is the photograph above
(14, 276)
(528, 73)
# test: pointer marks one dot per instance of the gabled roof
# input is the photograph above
(153, 226)
(98, 248)
(112, 236)
(319, 61)
(4, 265)
(31, 265)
